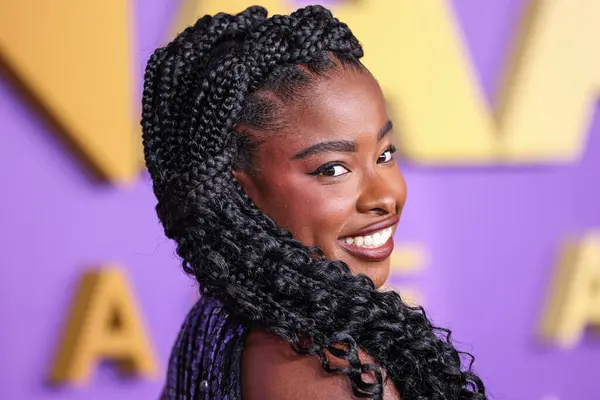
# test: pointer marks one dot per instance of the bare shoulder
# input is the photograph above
(272, 370)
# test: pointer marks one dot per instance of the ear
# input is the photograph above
(249, 184)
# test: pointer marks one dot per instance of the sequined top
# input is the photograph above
(205, 361)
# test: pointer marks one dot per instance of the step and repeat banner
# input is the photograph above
(497, 108)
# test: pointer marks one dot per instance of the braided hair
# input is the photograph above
(227, 72)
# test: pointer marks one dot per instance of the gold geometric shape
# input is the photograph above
(73, 59)
(574, 299)
(408, 259)
(104, 324)
(545, 103)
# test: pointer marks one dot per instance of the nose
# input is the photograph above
(382, 194)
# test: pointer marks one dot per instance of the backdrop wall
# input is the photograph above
(492, 237)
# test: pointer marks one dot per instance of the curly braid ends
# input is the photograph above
(231, 71)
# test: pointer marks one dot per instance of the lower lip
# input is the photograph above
(374, 255)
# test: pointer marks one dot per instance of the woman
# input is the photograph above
(271, 155)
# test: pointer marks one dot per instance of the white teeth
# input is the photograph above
(373, 241)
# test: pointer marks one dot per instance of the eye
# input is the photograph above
(387, 155)
(331, 170)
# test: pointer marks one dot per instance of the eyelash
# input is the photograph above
(391, 149)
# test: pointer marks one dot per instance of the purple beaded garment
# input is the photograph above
(205, 361)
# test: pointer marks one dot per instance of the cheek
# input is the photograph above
(313, 212)
(397, 185)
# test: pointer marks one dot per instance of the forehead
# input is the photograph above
(342, 106)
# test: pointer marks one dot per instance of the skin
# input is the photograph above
(363, 187)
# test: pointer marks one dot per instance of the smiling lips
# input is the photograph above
(375, 246)
(372, 241)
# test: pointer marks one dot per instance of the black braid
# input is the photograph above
(234, 71)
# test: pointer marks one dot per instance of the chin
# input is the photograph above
(378, 272)
(379, 276)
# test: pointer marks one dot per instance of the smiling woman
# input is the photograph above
(270, 151)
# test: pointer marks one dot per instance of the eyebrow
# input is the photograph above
(387, 128)
(344, 146)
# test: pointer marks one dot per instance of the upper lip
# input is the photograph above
(367, 230)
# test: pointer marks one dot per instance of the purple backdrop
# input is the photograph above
(493, 237)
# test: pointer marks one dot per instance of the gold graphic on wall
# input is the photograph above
(407, 260)
(104, 325)
(73, 60)
(545, 101)
(574, 300)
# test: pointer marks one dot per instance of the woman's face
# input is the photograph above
(330, 177)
